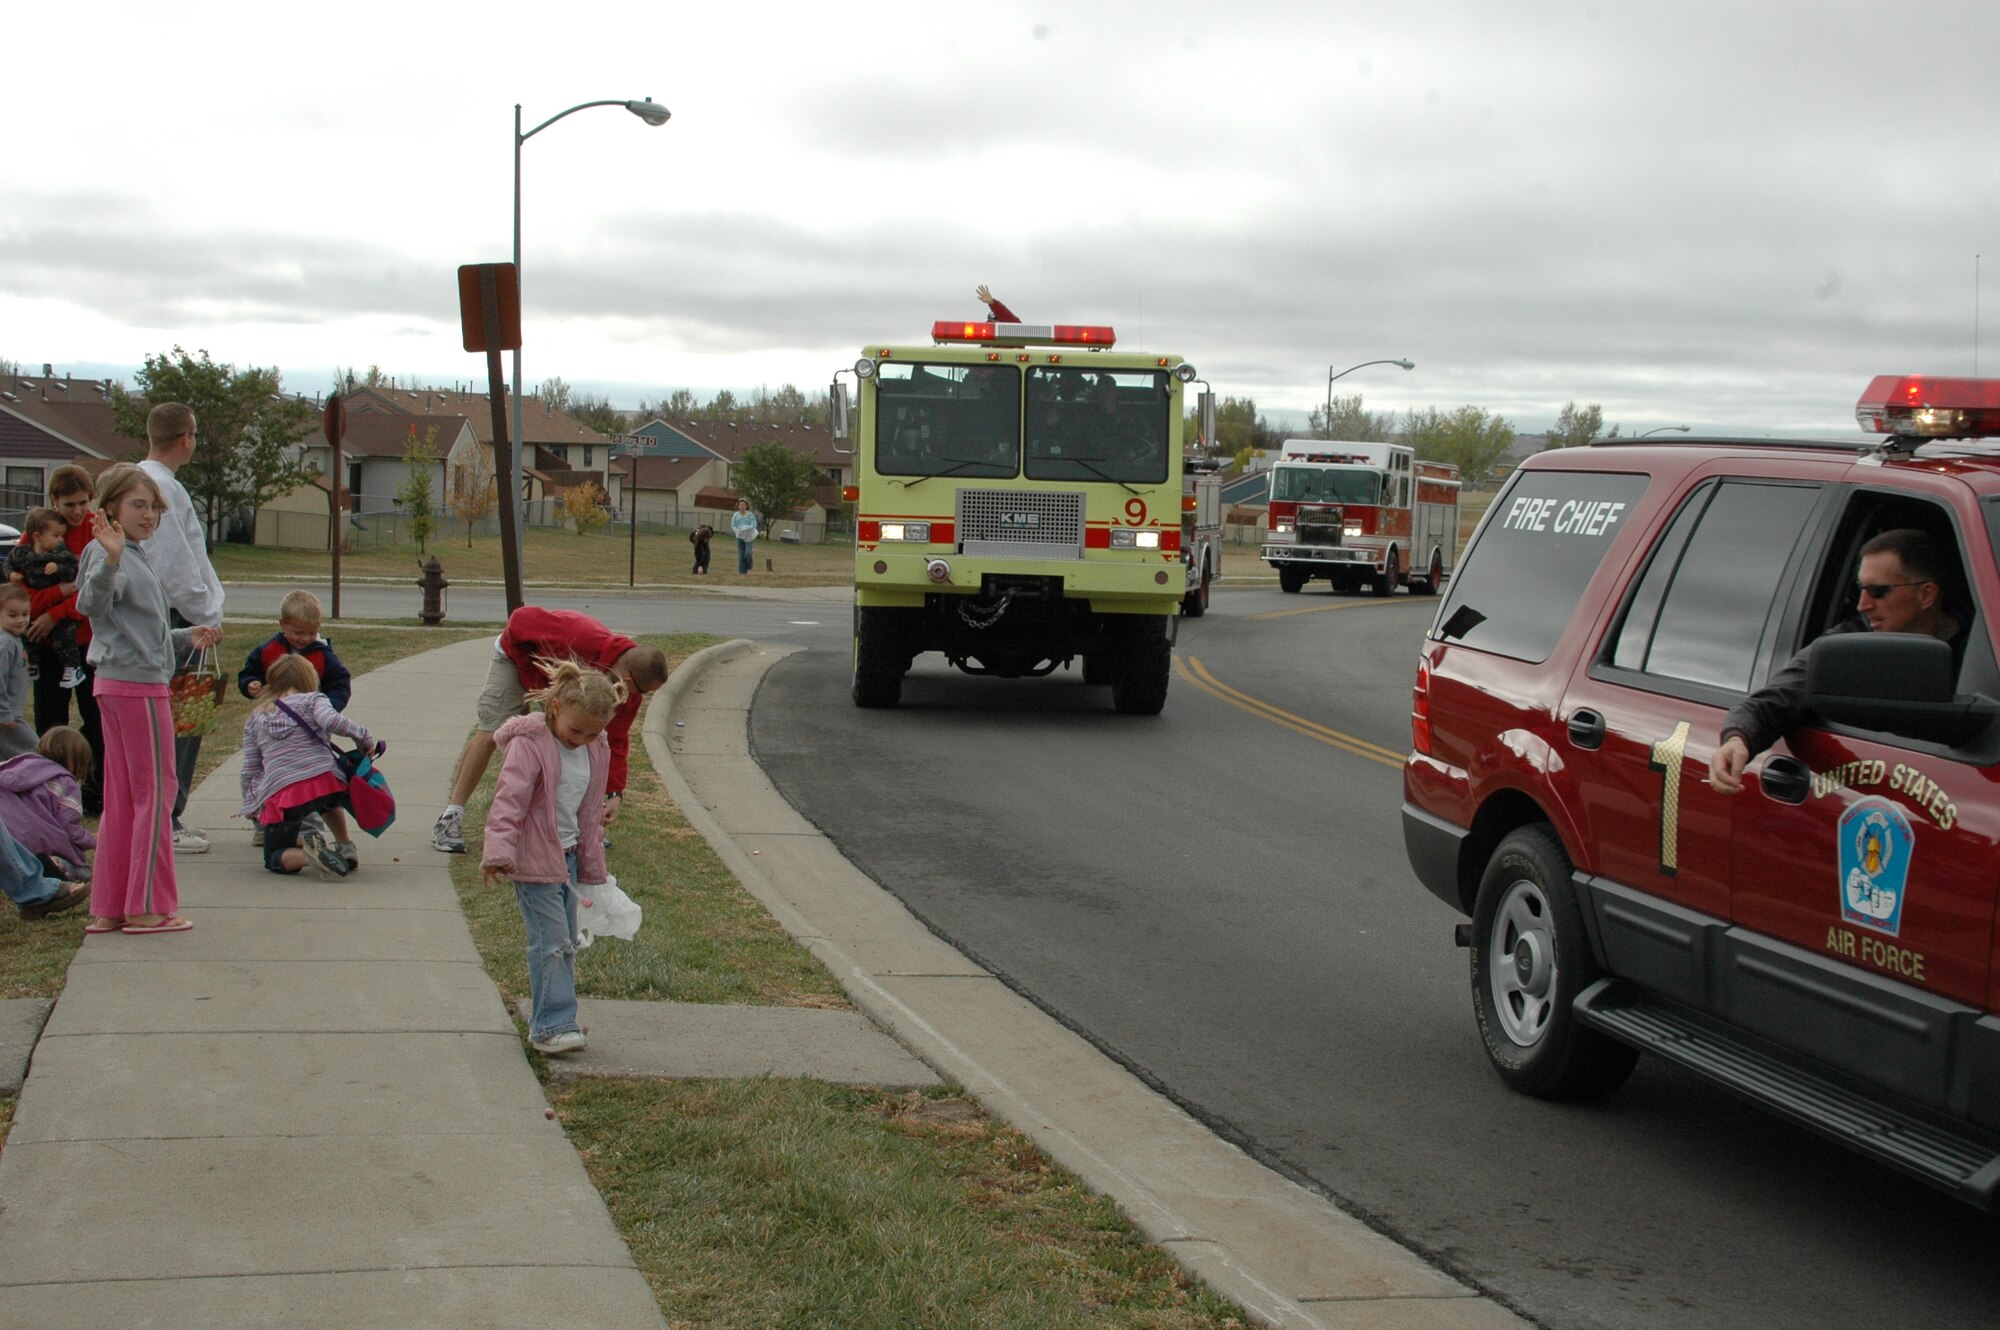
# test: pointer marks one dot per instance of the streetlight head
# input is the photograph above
(1407, 364)
(649, 111)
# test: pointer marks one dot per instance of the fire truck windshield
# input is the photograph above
(1098, 424)
(1326, 484)
(948, 420)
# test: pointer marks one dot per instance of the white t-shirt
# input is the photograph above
(575, 783)
(178, 552)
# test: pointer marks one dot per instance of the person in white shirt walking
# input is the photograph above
(178, 554)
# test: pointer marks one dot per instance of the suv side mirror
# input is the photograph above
(1899, 683)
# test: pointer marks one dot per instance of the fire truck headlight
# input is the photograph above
(1184, 372)
(1351, 530)
(1128, 538)
(1283, 527)
(917, 532)
(864, 368)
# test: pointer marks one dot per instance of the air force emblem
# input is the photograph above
(1875, 843)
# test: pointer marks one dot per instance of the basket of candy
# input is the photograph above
(195, 695)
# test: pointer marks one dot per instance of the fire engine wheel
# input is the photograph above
(1391, 574)
(1099, 668)
(879, 659)
(1530, 959)
(1430, 584)
(1195, 603)
(1140, 686)
(1291, 580)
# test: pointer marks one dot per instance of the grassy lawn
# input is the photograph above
(552, 556)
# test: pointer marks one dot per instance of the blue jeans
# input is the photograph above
(21, 873)
(548, 909)
(743, 554)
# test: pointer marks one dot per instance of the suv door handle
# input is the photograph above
(1786, 779)
(1586, 729)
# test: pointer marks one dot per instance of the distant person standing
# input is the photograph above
(743, 526)
(178, 555)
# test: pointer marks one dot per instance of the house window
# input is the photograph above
(24, 488)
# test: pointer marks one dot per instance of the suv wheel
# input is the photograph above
(1530, 959)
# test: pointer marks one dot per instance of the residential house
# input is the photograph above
(47, 422)
(688, 475)
(372, 451)
(559, 451)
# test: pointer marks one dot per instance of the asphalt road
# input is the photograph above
(1218, 897)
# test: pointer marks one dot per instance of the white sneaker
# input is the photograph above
(257, 834)
(187, 840)
(320, 856)
(569, 1041)
(72, 677)
(448, 834)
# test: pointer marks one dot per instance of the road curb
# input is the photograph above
(1288, 1228)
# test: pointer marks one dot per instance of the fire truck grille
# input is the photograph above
(1021, 524)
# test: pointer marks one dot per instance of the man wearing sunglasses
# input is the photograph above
(1898, 590)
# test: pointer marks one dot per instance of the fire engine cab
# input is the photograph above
(1355, 513)
(1815, 928)
(1018, 507)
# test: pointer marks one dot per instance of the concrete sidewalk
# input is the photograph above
(313, 1109)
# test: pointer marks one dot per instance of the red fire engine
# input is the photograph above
(1354, 512)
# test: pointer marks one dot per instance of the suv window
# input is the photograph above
(1701, 608)
(1520, 581)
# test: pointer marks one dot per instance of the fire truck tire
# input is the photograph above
(1429, 585)
(1291, 580)
(1391, 574)
(1195, 603)
(1140, 686)
(879, 659)
(1530, 960)
(1099, 668)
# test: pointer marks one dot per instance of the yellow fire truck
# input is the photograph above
(1017, 507)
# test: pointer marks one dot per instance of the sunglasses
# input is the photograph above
(1878, 590)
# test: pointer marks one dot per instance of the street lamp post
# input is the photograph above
(1659, 429)
(647, 110)
(1331, 376)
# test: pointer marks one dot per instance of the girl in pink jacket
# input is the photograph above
(545, 830)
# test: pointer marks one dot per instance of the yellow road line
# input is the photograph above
(1191, 669)
(1383, 604)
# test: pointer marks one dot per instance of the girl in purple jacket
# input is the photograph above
(41, 802)
(289, 771)
(545, 830)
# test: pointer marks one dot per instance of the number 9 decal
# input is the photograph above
(1135, 511)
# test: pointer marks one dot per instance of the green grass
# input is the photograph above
(553, 556)
(751, 1204)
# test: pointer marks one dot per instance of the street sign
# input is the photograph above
(489, 306)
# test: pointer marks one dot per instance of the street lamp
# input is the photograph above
(647, 110)
(1331, 376)
(1657, 429)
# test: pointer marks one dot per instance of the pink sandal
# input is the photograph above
(99, 924)
(173, 923)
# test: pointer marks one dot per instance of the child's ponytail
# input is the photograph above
(591, 692)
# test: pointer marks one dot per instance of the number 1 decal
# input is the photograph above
(1668, 754)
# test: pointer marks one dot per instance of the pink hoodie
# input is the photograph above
(521, 838)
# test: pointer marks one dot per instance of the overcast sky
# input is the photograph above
(1723, 215)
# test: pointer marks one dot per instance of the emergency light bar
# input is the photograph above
(1924, 407)
(1024, 334)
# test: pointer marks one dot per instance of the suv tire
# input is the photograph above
(1530, 959)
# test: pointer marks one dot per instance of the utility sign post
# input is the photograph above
(489, 311)
(632, 447)
(333, 423)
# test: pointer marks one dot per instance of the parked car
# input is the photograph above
(1824, 941)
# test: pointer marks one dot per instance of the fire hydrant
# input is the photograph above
(433, 584)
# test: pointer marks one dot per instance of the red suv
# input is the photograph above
(1822, 941)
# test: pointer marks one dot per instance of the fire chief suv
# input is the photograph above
(1823, 940)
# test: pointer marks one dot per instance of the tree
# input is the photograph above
(419, 456)
(1468, 437)
(1350, 422)
(582, 506)
(475, 493)
(247, 430)
(1237, 427)
(554, 394)
(1574, 428)
(597, 413)
(775, 479)
(676, 405)
(346, 380)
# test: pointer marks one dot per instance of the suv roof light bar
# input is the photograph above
(1923, 406)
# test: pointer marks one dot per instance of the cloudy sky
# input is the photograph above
(1724, 215)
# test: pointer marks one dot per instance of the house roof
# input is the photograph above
(73, 413)
(538, 423)
(661, 473)
(727, 439)
(666, 440)
(713, 496)
(382, 434)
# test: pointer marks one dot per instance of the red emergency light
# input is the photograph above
(1024, 334)
(1927, 407)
